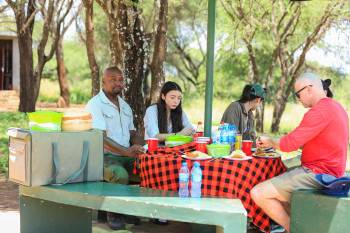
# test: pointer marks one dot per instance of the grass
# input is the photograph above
(7, 120)
(193, 108)
(195, 111)
(79, 94)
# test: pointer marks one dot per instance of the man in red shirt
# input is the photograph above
(323, 135)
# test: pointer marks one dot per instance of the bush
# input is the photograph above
(8, 120)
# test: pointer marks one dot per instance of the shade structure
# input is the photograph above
(209, 67)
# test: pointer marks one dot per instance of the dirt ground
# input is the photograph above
(9, 216)
(8, 195)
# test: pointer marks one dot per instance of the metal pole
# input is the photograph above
(210, 67)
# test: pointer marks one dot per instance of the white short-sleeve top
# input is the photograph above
(151, 122)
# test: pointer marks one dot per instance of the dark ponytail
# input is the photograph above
(326, 86)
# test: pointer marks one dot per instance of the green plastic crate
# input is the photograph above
(45, 121)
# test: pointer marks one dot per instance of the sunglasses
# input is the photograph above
(297, 94)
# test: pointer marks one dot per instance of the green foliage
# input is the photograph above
(8, 120)
(258, 27)
(102, 37)
(77, 66)
(81, 92)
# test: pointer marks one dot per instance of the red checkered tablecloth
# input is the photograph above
(221, 177)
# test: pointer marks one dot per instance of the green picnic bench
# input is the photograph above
(68, 208)
(312, 211)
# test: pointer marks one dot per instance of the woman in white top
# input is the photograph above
(166, 116)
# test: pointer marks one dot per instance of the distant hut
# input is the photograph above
(9, 61)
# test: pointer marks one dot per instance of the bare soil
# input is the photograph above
(8, 195)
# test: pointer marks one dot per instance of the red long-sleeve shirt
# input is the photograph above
(323, 135)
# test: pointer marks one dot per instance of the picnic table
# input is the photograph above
(221, 177)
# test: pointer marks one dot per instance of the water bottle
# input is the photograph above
(196, 180)
(216, 135)
(183, 180)
(232, 136)
(225, 134)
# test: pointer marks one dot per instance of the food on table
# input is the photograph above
(76, 121)
(238, 154)
(196, 154)
(265, 152)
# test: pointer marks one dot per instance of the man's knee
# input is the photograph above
(115, 174)
(256, 192)
(265, 190)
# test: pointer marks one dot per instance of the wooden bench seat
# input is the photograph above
(68, 208)
(312, 211)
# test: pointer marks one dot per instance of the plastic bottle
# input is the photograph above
(183, 180)
(225, 134)
(196, 180)
(232, 136)
(216, 135)
(200, 128)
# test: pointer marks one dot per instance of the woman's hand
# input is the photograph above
(186, 131)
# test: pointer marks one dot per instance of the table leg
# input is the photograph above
(234, 227)
(40, 216)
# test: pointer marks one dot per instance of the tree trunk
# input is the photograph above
(90, 47)
(62, 77)
(279, 107)
(259, 117)
(115, 46)
(159, 54)
(135, 60)
(281, 101)
(27, 82)
(255, 78)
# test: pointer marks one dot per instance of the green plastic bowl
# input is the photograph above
(218, 150)
(172, 143)
(179, 138)
(45, 121)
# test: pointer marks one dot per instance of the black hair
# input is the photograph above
(247, 94)
(175, 114)
(326, 84)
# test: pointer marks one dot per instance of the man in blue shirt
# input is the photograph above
(114, 116)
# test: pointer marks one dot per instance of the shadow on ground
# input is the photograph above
(9, 208)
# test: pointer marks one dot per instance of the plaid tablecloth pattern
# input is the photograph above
(221, 177)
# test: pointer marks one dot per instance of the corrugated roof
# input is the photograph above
(8, 34)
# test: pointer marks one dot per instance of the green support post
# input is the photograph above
(210, 67)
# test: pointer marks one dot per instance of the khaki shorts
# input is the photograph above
(295, 179)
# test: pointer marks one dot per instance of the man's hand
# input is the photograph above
(135, 150)
(265, 141)
(186, 131)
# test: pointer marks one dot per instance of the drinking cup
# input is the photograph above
(152, 144)
(197, 134)
(201, 146)
(247, 146)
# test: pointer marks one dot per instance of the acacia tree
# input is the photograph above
(159, 54)
(61, 68)
(25, 13)
(290, 34)
(184, 17)
(90, 46)
(130, 46)
(127, 48)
